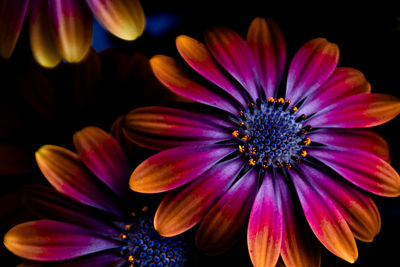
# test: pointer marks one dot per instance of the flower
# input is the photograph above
(87, 225)
(257, 152)
(62, 29)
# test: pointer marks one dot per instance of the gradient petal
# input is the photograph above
(42, 38)
(299, 247)
(101, 153)
(363, 169)
(72, 22)
(357, 208)
(361, 139)
(312, 65)
(222, 222)
(47, 240)
(12, 13)
(161, 127)
(326, 221)
(123, 18)
(343, 83)
(358, 111)
(266, 40)
(173, 76)
(64, 170)
(182, 209)
(264, 235)
(174, 167)
(233, 53)
(198, 57)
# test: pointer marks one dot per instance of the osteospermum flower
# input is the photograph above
(62, 29)
(88, 225)
(258, 152)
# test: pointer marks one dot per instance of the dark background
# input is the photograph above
(368, 38)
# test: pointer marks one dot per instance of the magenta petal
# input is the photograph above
(174, 167)
(12, 14)
(361, 139)
(102, 154)
(312, 65)
(264, 235)
(161, 127)
(325, 220)
(266, 40)
(47, 240)
(363, 169)
(198, 57)
(344, 82)
(233, 53)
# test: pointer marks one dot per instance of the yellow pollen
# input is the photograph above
(287, 101)
(278, 164)
(253, 150)
(252, 162)
(281, 100)
(250, 104)
(294, 109)
(133, 214)
(265, 166)
(288, 166)
(128, 227)
(307, 141)
(131, 258)
(123, 236)
(303, 153)
(235, 133)
(241, 148)
(271, 99)
(145, 208)
(131, 265)
(241, 123)
(241, 113)
(245, 138)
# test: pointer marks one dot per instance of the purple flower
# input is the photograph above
(266, 154)
(88, 225)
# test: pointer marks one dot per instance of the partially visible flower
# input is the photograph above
(62, 29)
(250, 153)
(93, 221)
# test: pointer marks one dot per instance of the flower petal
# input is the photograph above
(47, 240)
(343, 83)
(358, 111)
(42, 38)
(72, 22)
(363, 169)
(173, 76)
(161, 127)
(264, 235)
(357, 208)
(174, 167)
(361, 139)
(325, 219)
(198, 57)
(46, 203)
(221, 223)
(266, 40)
(233, 53)
(64, 170)
(12, 13)
(123, 18)
(299, 247)
(182, 209)
(312, 65)
(101, 153)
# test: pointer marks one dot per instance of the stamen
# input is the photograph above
(131, 258)
(301, 118)
(128, 227)
(293, 110)
(252, 162)
(145, 208)
(123, 236)
(303, 153)
(241, 148)
(235, 133)
(287, 103)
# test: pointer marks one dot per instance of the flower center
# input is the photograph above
(271, 135)
(145, 247)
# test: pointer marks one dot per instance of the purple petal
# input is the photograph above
(174, 167)
(233, 53)
(312, 65)
(182, 209)
(198, 57)
(266, 40)
(47, 240)
(363, 169)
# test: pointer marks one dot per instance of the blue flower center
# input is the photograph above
(145, 247)
(271, 135)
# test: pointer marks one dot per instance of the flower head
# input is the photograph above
(88, 224)
(264, 154)
(62, 29)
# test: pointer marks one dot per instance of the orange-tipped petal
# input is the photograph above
(123, 18)
(72, 22)
(182, 209)
(12, 14)
(42, 38)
